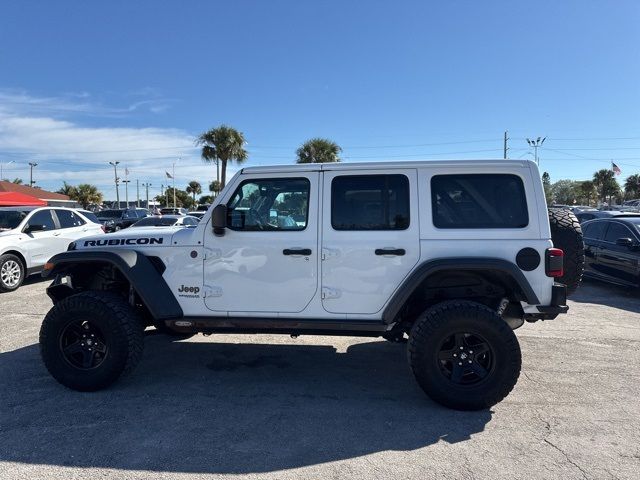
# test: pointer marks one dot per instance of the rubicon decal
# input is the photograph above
(124, 241)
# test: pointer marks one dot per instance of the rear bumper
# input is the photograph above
(549, 312)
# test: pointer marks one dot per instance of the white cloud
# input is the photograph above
(65, 150)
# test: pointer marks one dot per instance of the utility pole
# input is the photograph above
(126, 191)
(535, 144)
(138, 192)
(506, 139)
(115, 173)
(31, 165)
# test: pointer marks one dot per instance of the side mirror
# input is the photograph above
(219, 219)
(624, 242)
(34, 228)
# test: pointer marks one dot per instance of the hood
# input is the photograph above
(9, 233)
(130, 237)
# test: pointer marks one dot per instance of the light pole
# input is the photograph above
(535, 144)
(31, 165)
(146, 186)
(126, 192)
(174, 183)
(8, 163)
(138, 193)
(115, 173)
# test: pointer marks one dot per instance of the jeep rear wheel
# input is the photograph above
(88, 340)
(463, 355)
(566, 234)
(11, 273)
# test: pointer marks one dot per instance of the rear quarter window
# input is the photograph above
(478, 201)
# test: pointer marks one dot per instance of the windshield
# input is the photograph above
(110, 214)
(155, 222)
(10, 219)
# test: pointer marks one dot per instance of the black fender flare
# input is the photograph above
(134, 266)
(428, 268)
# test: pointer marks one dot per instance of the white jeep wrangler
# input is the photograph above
(453, 254)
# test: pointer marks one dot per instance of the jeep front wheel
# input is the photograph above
(463, 355)
(88, 340)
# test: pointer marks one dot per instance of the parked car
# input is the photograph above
(582, 208)
(29, 236)
(203, 208)
(89, 215)
(115, 220)
(167, 221)
(173, 211)
(612, 249)
(197, 214)
(586, 216)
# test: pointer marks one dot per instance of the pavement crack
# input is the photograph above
(549, 442)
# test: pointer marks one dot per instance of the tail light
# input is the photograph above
(554, 263)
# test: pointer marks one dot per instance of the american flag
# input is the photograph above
(615, 168)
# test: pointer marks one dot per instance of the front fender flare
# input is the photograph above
(134, 266)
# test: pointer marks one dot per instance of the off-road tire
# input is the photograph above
(9, 260)
(117, 322)
(566, 234)
(446, 319)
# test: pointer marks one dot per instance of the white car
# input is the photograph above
(29, 236)
(167, 221)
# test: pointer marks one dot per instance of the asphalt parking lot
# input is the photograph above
(266, 406)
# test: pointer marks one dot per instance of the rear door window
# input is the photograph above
(69, 219)
(479, 201)
(370, 202)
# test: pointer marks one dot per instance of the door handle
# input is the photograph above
(296, 251)
(56, 234)
(390, 251)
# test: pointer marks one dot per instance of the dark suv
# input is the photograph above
(612, 249)
(115, 220)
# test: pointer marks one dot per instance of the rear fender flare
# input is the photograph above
(426, 269)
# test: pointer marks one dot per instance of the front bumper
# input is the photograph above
(549, 312)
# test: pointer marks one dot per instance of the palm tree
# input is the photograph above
(68, 190)
(606, 184)
(214, 187)
(194, 188)
(86, 194)
(586, 190)
(222, 145)
(632, 186)
(318, 150)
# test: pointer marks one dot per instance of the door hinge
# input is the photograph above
(212, 253)
(211, 291)
(328, 253)
(330, 293)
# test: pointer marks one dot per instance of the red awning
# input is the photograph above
(14, 199)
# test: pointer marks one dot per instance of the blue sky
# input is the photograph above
(85, 83)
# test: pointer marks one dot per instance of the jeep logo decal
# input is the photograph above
(185, 289)
(123, 241)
